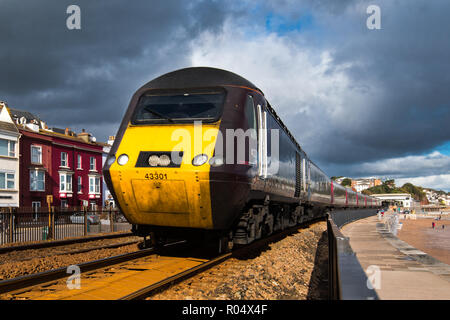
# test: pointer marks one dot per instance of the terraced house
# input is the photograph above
(9, 159)
(58, 163)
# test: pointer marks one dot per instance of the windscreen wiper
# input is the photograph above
(147, 108)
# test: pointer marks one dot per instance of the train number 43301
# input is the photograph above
(156, 176)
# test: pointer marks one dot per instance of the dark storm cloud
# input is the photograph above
(400, 73)
(85, 77)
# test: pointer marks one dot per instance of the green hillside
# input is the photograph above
(416, 192)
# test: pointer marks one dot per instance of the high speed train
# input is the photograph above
(201, 152)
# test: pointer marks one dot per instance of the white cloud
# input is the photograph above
(434, 163)
(328, 111)
(437, 182)
(297, 80)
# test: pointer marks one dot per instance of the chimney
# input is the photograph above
(85, 136)
(111, 140)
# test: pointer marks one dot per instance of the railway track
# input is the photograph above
(84, 250)
(126, 277)
(58, 243)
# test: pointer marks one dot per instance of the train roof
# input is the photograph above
(198, 77)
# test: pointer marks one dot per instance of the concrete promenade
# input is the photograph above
(406, 273)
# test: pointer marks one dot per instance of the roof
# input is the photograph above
(19, 114)
(198, 77)
(59, 135)
(6, 126)
(389, 195)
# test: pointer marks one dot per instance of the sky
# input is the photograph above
(360, 102)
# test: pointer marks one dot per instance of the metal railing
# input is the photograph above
(30, 225)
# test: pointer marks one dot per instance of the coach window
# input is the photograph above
(250, 113)
(251, 122)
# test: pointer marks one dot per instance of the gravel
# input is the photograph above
(19, 263)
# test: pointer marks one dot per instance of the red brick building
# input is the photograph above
(58, 163)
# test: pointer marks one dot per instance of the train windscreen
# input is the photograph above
(186, 106)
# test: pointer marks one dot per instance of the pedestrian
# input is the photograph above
(443, 226)
(432, 225)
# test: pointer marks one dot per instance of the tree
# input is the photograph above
(390, 183)
(347, 182)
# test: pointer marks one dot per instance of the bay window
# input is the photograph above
(94, 185)
(65, 182)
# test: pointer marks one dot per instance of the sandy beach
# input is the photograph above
(420, 234)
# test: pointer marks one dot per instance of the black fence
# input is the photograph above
(342, 217)
(347, 279)
(28, 225)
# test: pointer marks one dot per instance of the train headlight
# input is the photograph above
(164, 160)
(199, 159)
(216, 161)
(153, 160)
(122, 159)
(111, 160)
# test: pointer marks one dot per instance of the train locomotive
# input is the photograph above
(201, 153)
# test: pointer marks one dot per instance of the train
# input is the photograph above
(201, 154)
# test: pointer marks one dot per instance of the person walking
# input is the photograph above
(432, 225)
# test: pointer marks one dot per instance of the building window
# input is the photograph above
(7, 180)
(64, 203)
(7, 148)
(12, 149)
(94, 185)
(64, 159)
(37, 180)
(79, 162)
(65, 182)
(92, 164)
(36, 154)
(36, 205)
(80, 185)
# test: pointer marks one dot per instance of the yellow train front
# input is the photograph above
(163, 171)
